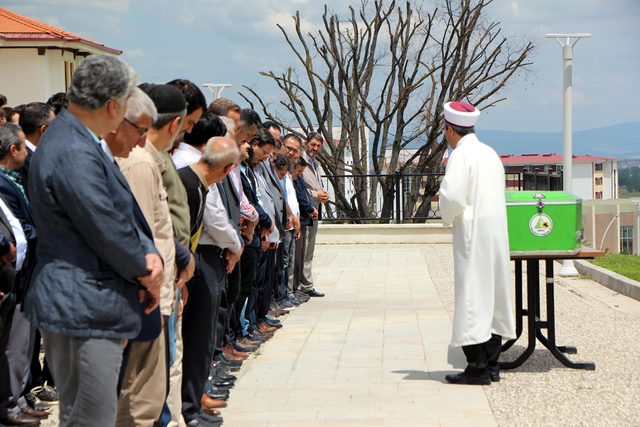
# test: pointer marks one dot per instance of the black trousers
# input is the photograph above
(39, 373)
(280, 284)
(265, 288)
(227, 302)
(483, 358)
(199, 322)
(248, 271)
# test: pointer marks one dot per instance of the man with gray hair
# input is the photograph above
(132, 131)
(95, 263)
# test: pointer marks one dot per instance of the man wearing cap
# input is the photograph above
(472, 200)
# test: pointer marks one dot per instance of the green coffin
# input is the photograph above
(544, 221)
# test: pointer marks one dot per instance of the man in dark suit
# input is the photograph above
(95, 264)
(14, 371)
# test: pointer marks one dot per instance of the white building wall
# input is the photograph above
(610, 180)
(26, 76)
(23, 76)
(582, 180)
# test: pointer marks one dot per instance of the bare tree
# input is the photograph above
(388, 68)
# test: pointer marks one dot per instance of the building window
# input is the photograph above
(598, 195)
(69, 68)
(598, 167)
(626, 239)
(599, 181)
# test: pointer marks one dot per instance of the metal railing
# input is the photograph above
(385, 198)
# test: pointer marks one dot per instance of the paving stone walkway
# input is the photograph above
(373, 352)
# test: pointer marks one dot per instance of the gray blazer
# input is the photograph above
(312, 178)
(90, 248)
(268, 172)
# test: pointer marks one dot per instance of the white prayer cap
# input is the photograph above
(461, 114)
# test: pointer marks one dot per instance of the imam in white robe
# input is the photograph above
(472, 200)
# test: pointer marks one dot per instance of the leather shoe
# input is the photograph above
(34, 413)
(464, 378)
(313, 293)
(210, 403)
(235, 353)
(222, 358)
(217, 395)
(263, 327)
(219, 374)
(276, 324)
(301, 296)
(494, 376)
(206, 420)
(244, 348)
(248, 343)
(20, 420)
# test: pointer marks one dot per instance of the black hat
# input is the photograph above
(168, 99)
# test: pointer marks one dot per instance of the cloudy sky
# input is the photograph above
(214, 41)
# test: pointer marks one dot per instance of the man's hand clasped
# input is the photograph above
(152, 282)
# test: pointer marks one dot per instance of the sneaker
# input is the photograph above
(35, 403)
(46, 393)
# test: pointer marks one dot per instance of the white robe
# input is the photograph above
(472, 199)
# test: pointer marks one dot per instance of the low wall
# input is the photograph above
(609, 279)
(355, 234)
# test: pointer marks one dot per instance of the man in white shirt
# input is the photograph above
(190, 150)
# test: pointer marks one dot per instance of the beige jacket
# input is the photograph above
(311, 177)
(143, 170)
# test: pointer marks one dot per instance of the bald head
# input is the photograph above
(220, 156)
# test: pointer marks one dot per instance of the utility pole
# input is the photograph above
(565, 40)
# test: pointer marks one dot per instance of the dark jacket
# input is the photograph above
(306, 206)
(196, 198)
(90, 250)
(249, 188)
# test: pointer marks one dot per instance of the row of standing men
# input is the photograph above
(150, 275)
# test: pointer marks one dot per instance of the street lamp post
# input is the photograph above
(216, 88)
(568, 269)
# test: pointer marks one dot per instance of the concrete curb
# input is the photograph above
(609, 279)
(359, 234)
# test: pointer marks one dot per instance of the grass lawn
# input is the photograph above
(626, 265)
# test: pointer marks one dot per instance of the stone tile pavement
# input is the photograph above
(374, 352)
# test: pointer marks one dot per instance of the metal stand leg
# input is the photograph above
(533, 302)
(520, 311)
(550, 341)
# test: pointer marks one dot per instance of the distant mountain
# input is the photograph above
(621, 141)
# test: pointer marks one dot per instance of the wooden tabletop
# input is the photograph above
(584, 253)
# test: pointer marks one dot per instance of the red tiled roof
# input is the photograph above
(548, 159)
(14, 26)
